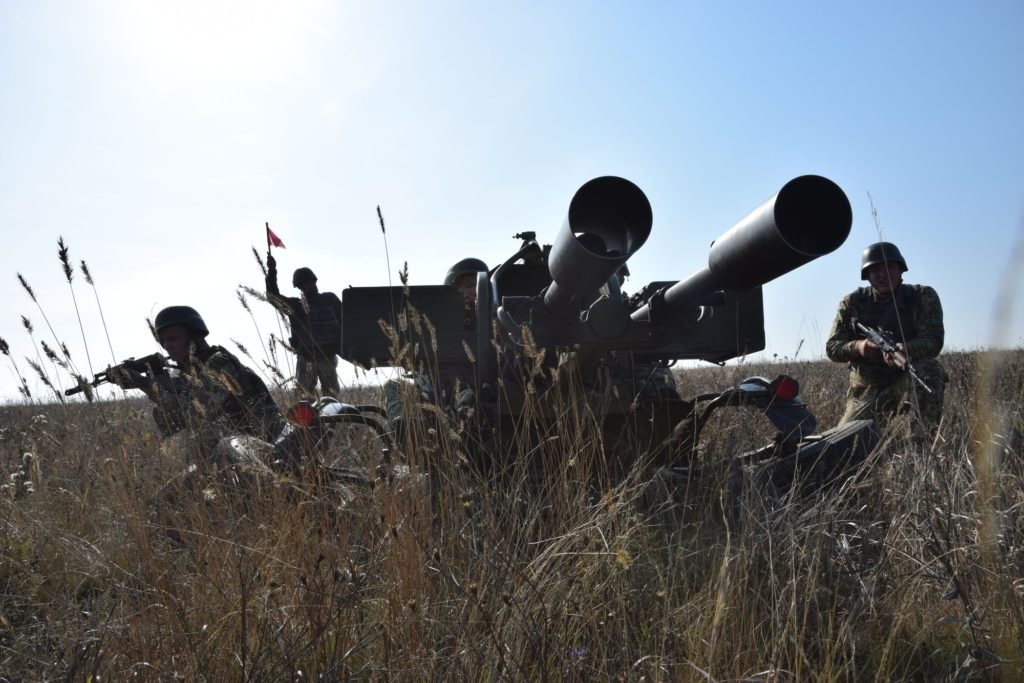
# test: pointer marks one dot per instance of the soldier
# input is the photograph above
(213, 395)
(315, 321)
(654, 379)
(911, 316)
(463, 276)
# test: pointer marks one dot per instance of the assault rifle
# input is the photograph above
(886, 345)
(153, 365)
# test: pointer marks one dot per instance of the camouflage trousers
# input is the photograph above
(325, 369)
(174, 414)
(882, 402)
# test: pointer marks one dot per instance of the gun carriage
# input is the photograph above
(551, 324)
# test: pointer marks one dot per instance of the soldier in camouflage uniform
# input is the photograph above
(452, 390)
(911, 316)
(315, 321)
(213, 395)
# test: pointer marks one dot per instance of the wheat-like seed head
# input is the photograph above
(65, 261)
(39, 371)
(274, 371)
(242, 300)
(416, 321)
(26, 286)
(254, 293)
(259, 261)
(85, 386)
(432, 334)
(86, 273)
(50, 353)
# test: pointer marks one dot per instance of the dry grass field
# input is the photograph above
(117, 564)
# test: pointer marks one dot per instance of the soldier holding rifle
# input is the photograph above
(212, 396)
(890, 334)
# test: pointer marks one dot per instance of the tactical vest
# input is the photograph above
(324, 326)
(897, 322)
(316, 330)
(251, 409)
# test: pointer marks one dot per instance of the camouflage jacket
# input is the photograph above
(315, 324)
(913, 315)
(217, 396)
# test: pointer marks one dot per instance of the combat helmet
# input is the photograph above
(466, 266)
(303, 275)
(180, 315)
(881, 252)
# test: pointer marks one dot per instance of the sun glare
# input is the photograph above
(215, 37)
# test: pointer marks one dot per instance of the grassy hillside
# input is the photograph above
(116, 561)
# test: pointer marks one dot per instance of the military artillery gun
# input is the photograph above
(551, 323)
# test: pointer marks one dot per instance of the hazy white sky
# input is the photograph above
(158, 138)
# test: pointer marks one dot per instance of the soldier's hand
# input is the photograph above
(867, 348)
(896, 360)
(271, 262)
(127, 378)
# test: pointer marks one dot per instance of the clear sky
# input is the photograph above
(157, 138)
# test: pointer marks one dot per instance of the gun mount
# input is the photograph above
(565, 302)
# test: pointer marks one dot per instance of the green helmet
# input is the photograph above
(302, 275)
(180, 315)
(881, 252)
(466, 266)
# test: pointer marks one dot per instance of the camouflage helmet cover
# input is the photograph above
(180, 315)
(464, 267)
(302, 275)
(881, 252)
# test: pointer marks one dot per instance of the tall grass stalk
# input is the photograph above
(37, 365)
(256, 294)
(32, 295)
(69, 271)
(23, 389)
(99, 307)
(269, 360)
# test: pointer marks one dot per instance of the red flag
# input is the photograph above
(272, 239)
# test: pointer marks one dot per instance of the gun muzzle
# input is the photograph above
(809, 217)
(609, 220)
